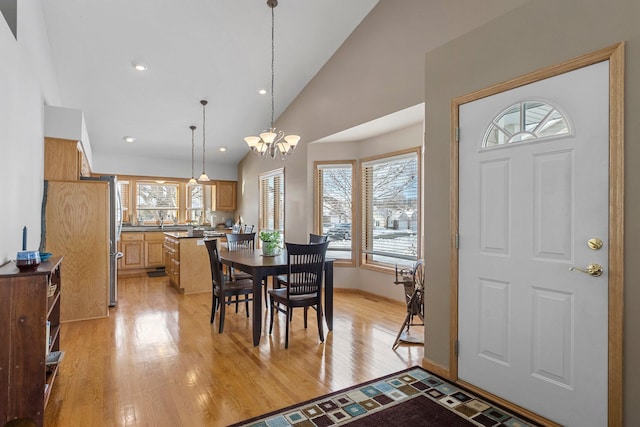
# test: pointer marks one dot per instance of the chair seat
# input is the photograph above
(281, 295)
(237, 286)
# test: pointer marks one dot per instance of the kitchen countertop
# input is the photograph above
(170, 228)
(185, 234)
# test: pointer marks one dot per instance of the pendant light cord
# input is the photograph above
(193, 128)
(272, 61)
(204, 103)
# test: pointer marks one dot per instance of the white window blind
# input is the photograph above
(125, 197)
(271, 209)
(195, 202)
(157, 202)
(334, 205)
(390, 209)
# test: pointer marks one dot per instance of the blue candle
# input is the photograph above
(24, 238)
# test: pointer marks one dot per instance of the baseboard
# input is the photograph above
(436, 368)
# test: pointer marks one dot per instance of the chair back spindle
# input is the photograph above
(305, 268)
(240, 241)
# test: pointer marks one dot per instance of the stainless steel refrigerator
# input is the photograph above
(115, 228)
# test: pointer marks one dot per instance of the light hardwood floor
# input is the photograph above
(157, 361)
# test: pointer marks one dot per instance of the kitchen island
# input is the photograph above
(187, 261)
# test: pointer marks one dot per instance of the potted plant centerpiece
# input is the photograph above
(271, 242)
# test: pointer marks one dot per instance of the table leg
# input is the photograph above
(257, 307)
(328, 294)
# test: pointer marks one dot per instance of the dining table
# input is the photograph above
(260, 266)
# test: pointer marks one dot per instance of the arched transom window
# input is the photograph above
(526, 122)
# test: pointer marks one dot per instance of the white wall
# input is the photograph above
(27, 83)
(173, 168)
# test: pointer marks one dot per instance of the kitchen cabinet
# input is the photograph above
(141, 251)
(132, 248)
(31, 301)
(64, 160)
(187, 263)
(225, 196)
(153, 249)
(77, 227)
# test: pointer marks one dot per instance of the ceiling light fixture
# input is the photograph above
(140, 66)
(223, 149)
(192, 180)
(270, 143)
(128, 138)
(204, 176)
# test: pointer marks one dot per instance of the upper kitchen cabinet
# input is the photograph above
(67, 150)
(224, 196)
(64, 160)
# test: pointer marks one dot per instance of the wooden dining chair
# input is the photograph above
(281, 280)
(305, 267)
(318, 238)
(248, 228)
(239, 242)
(223, 288)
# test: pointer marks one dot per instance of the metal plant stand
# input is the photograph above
(413, 283)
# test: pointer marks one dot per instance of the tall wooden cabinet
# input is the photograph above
(30, 301)
(77, 226)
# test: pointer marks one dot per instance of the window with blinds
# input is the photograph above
(271, 209)
(334, 207)
(195, 203)
(390, 209)
(125, 199)
(157, 203)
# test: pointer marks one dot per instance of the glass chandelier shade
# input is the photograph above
(273, 142)
(204, 176)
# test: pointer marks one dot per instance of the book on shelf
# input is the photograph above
(54, 357)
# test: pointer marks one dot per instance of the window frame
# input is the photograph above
(366, 238)
(188, 206)
(175, 208)
(278, 213)
(318, 166)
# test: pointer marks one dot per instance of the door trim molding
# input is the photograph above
(615, 55)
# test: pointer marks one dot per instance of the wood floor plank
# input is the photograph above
(157, 361)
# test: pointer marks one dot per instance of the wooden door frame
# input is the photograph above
(615, 55)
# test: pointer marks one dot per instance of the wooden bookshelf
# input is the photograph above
(30, 300)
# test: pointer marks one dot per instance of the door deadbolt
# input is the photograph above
(595, 244)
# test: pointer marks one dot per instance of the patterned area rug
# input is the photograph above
(412, 397)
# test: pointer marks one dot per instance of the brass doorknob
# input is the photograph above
(594, 270)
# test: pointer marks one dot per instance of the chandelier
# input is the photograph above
(270, 143)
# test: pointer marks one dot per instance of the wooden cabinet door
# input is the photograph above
(133, 254)
(63, 160)
(154, 254)
(225, 196)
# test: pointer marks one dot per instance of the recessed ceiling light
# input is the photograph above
(223, 148)
(140, 66)
(262, 91)
(128, 138)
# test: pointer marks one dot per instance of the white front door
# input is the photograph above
(530, 329)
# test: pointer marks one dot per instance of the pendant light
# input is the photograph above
(204, 176)
(270, 143)
(192, 180)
